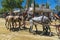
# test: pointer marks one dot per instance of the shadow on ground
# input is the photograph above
(42, 33)
(34, 32)
(18, 29)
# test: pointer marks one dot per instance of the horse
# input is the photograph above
(44, 20)
(9, 21)
(57, 17)
(24, 18)
(16, 19)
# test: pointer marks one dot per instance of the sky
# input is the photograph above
(51, 2)
(0, 4)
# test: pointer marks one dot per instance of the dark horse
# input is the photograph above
(24, 18)
(17, 18)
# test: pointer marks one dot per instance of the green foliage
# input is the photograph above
(57, 7)
(30, 1)
(18, 3)
(36, 5)
(3, 10)
(11, 4)
(47, 5)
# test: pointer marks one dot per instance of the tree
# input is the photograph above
(2, 10)
(57, 7)
(11, 4)
(36, 5)
(28, 3)
(47, 5)
(19, 3)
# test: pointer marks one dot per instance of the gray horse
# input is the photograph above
(42, 20)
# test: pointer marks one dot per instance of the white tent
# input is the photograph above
(16, 11)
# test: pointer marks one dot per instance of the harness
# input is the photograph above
(42, 20)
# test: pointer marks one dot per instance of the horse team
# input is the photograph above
(12, 19)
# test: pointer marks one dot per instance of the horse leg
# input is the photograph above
(24, 24)
(30, 30)
(36, 28)
(43, 27)
(13, 24)
(57, 29)
(49, 30)
(59, 32)
(31, 26)
(10, 26)
(6, 23)
(19, 24)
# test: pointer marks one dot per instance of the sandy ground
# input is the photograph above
(24, 34)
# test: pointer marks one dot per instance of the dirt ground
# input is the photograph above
(24, 34)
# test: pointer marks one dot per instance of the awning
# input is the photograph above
(43, 10)
(16, 11)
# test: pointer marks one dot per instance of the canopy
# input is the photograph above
(16, 11)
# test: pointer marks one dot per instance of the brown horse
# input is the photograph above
(9, 21)
(24, 18)
(16, 19)
(57, 26)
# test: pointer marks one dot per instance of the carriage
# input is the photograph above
(43, 12)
